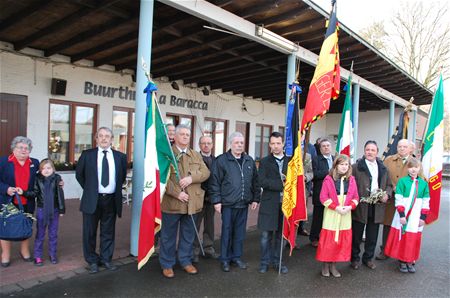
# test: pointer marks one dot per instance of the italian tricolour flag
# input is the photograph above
(433, 150)
(157, 161)
(345, 140)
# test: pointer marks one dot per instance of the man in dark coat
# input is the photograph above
(271, 177)
(233, 187)
(321, 167)
(370, 175)
(101, 172)
(207, 214)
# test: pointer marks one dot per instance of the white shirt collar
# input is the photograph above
(182, 150)
(101, 150)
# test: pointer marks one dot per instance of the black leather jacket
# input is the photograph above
(38, 191)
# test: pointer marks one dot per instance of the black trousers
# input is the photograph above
(370, 243)
(105, 214)
(316, 225)
(207, 217)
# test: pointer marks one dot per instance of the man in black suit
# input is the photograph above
(321, 167)
(101, 172)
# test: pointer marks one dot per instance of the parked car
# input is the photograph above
(446, 166)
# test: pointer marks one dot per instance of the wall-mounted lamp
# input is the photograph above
(275, 39)
(205, 91)
(175, 85)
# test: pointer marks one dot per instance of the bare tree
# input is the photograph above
(420, 42)
(376, 35)
(417, 38)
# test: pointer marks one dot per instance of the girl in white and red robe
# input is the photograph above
(339, 195)
(412, 200)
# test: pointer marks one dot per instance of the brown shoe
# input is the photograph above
(190, 269)
(370, 264)
(168, 273)
(315, 243)
(381, 256)
(354, 265)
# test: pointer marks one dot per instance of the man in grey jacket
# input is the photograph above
(232, 187)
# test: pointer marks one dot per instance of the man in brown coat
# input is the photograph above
(396, 165)
(181, 202)
(370, 175)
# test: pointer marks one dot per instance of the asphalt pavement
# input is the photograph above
(432, 278)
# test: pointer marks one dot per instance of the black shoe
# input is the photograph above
(225, 267)
(283, 270)
(109, 266)
(5, 264)
(93, 268)
(29, 259)
(263, 268)
(212, 255)
(195, 259)
(354, 265)
(240, 264)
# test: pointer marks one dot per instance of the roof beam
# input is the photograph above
(63, 23)
(88, 34)
(115, 56)
(112, 10)
(21, 14)
(127, 37)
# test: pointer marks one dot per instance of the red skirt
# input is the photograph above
(331, 251)
(406, 249)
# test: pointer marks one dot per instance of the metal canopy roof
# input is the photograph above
(106, 32)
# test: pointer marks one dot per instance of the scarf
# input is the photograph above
(49, 198)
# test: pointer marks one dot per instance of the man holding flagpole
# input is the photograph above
(182, 200)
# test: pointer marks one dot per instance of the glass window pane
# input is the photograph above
(208, 128)
(266, 139)
(84, 119)
(58, 147)
(219, 138)
(120, 130)
(258, 142)
(186, 121)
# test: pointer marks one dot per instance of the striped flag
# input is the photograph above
(294, 199)
(325, 83)
(157, 161)
(345, 140)
(433, 150)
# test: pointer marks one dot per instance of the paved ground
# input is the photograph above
(431, 280)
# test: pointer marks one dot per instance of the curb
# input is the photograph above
(27, 284)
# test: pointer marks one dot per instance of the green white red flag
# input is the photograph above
(157, 161)
(433, 150)
(345, 140)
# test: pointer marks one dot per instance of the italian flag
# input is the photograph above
(433, 150)
(345, 140)
(158, 158)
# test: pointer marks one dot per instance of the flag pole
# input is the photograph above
(198, 236)
(281, 245)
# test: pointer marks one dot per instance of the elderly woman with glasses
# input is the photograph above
(17, 175)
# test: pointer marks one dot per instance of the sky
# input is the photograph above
(358, 14)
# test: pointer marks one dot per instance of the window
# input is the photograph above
(262, 140)
(281, 130)
(244, 128)
(123, 126)
(71, 130)
(187, 120)
(217, 130)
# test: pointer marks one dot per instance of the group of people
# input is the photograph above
(230, 184)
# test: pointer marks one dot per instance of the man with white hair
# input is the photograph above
(232, 187)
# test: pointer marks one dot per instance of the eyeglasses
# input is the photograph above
(22, 148)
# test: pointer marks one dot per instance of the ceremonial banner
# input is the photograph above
(433, 150)
(157, 161)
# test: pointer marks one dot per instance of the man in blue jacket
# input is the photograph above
(232, 187)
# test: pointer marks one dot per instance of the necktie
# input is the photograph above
(330, 163)
(105, 170)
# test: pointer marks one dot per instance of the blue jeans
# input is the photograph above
(168, 239)
(234, 224)
(270, 254)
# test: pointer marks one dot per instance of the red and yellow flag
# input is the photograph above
(326, 81)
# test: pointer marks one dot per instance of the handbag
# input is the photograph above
(15, 225)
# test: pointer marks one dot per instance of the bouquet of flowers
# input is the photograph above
(9, 209)
(375, 197)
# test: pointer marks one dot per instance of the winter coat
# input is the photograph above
(320, 171)
(189, 164)
(39, 190)
(234, 185)
(269, 179)
(363, 181)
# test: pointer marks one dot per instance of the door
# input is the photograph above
(13, 120)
